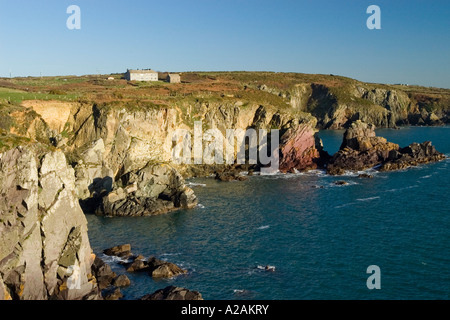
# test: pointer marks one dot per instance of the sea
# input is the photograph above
(318, 240)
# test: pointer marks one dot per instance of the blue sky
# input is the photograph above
(309, 36)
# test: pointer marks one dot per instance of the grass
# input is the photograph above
(17, 96)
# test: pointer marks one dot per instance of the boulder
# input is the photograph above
(162, 269)
(103, 273)
(137, 265)
(173, 293)
(112, 294)
(119, 251)
(121, 281)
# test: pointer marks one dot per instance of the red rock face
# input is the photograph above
(298, 149)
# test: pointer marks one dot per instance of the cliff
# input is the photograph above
(109, 144)
(45, 251)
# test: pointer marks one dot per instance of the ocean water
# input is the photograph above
(319, 236)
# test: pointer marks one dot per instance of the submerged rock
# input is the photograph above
(361, 149)
(173, 293)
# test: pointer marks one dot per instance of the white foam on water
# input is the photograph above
(169, 254)
(345, 205)
(263, 227)
(266, 268)
(113, 259)
(368, 199)
(200, 206)
(194, 184)
(426, 177)
(400, 189)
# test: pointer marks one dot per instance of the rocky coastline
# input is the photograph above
(116, 161)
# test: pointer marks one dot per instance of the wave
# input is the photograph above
(113, 259)
(401, 189)
(426, 177)
(263, 227)
(200, 206)
(169, 254)
(345, 205)
(368, 199)
(194, 184)
(266, 268)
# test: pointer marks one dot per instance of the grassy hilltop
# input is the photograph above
(335, 101)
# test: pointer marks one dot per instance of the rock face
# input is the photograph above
(93, 177)
(173, 293)
(45, 251)
(361, 149)
(153, 190)
(300, 149)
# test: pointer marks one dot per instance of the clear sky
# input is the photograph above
(308, 36)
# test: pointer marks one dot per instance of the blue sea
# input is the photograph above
(319, 236)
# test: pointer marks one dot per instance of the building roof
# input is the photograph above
(173, 75)
(142, 71)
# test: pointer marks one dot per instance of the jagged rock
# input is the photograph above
(155, 189)
(413, 155)
(112, 294)
(137, 265)
(119, 251)
(341, 183)
(44, 251)
(361, 149)
(121, 281)
(173, 293)
(163, 269)
(103, 273)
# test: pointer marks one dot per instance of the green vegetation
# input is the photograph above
(17, 96)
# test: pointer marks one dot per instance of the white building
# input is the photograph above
(173, 78)
(141, 75)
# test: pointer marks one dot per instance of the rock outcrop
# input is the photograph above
(413, 155)
(153, 190)
(301, 149)
(173, 293)
(361, 149)
(45, 251)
